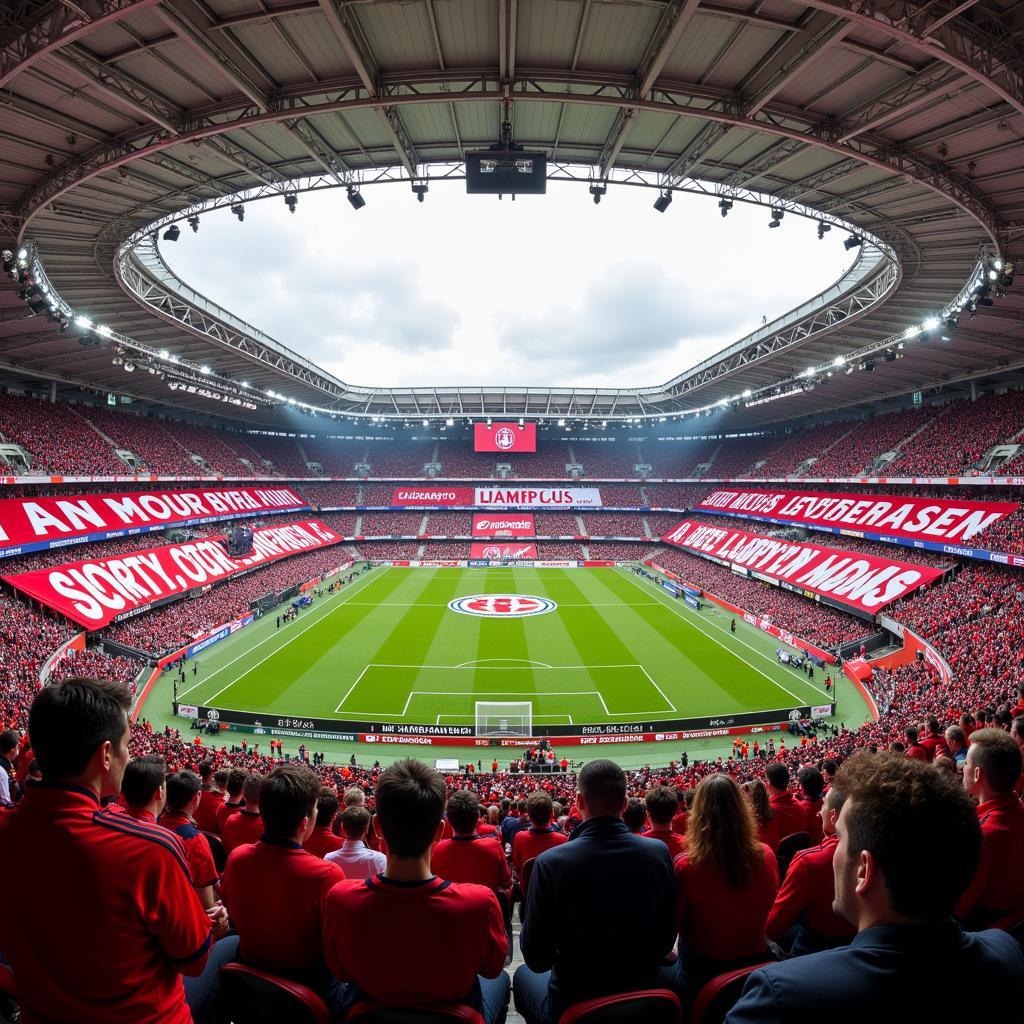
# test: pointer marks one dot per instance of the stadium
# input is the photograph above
(774, 592)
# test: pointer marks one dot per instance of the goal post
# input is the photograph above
(502, 718)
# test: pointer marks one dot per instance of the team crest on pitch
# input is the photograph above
(502, 606)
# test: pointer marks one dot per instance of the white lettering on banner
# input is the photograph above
(566, 497)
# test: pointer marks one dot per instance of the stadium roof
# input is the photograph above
(902, 120)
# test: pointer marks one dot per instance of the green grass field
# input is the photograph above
(388, 648)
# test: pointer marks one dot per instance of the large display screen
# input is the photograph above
(509, 438)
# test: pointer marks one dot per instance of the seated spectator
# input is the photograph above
(909, 844)
(661, 804)
(213, 796)
(233, 800)
(914, 749)
(933, 740)
(245, 826)
(513, 822)
(685, 798)
(130, 922)
(322, 840)
(184, 793)
(144, 788)
(764, 814)
(541, 835)
(275, 890)
(576, 944)
(956, 744)
(354, 857)
(802, 919)
(10, 741)
(811, 784)
(453, 932)
(790, 815)
(634, 817)
(991, 771)
(726, 882)
(469, 856)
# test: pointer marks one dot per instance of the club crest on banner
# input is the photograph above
(502, 606)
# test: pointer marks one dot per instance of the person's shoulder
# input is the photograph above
(469, 893)
(997, 948)
(649, 846)
(347, 890)
(143, 839)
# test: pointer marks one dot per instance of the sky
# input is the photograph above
(544, 291)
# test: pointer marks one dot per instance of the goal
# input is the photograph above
(504, 719)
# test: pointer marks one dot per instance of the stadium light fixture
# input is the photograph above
(724, 206)
(239, 211)
(426, 423)
(664, 201)
(852, 242)
(355, 197)
(84, 322)
(204, 369)
(777, 214)
(822, 229)
(172, 234)
(838, 361)
(931, 324)
(598, 190)
(561, 423)
(193, 223)
(420, 190)
(291, 200)
(449, 422)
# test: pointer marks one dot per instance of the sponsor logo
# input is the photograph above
(505, 438)
(504, 524)
(213, 715)
(188, 711)
(821, 711)
(502, 606)
(508, 551)
(794, 715)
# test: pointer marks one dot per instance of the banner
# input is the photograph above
(502, 550)
(934, 519)
(507, 438)
(487, 524)
(496, 497)
(99, 591)
(865, 582)
(432, 496)
(35, 524)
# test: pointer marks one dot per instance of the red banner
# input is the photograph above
(432, 496)
(33, 524)
(503, 524)
(498, 551)
(935, 519)
(867, 582)
(509, 438)
(99, 591)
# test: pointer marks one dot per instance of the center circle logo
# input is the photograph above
(502, 606)
(505, 438)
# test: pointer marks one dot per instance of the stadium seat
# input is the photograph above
(789, 847)
(648, 1006)
(220, 857)
(252, 996)
(370, 1011)
(720, 994)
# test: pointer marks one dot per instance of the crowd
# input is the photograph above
(404, 457)
(548, 462)
(385, 550)
(145, 437)
(336, 457)
(678, 458)
(873, 437)
(457, 461)
(449, 524)
(622, 495)
(796, 448)
(620, 552)
(556, 524)
(613, 524)
(616, 460)
(391, 524)
(741, 456)
(331, 495)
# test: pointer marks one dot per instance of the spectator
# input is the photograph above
(764, 815)
(322, 840)
(142, 928)
(213, 784)
(991, 771)
(470, 856)
(246, 826)
(184, 793)
(726, 881)
(354, 857)
(661, 804)
(909, 844)
(407, 899)
(276, 890)
(811, 783)
(572, 940)
(634, 816)
(233, 800)
(802, 918)
(790, 815)
(541, 835)
(10, 741)
(144, 788)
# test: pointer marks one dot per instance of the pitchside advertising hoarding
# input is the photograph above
(489, 524)
(866, 583)
(499, 550)
(496, 497)
(99, 591)
(506, 438)
(35, 524)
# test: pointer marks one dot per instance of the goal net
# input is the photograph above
(504, 719)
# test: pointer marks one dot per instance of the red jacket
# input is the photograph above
(532, 842)
(676, 843)
(998, 886)
(475, 858)
(790, 815)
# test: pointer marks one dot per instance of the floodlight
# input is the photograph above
(355, 198)
(291, 201)
(172, 234)
(852, 242)
(239, 211)
(664, 201)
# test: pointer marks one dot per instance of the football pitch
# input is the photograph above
(391, 648)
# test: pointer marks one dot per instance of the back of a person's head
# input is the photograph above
(220, 777)
(9, 740)
(811, 782)
(540, 808)
(933, 724)
(252, 787)
(634, 814)
(828, 767)
(760, 802)
(410, 802)
(463, 811)
(506, 806)
(910, 733)
(777, 775)
(998, 756)
(69, 721)
(287, 795)
(355, 820)
(603, 787)
(354, 797)
(326, 807)
(954, 734)
(720, 830)
(662, 805)
(142, 777)
(919, 825)
(236, 782)
(206, 770)
(181, 789)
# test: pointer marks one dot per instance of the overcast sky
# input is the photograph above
(548, 290)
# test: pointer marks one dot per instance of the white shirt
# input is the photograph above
(5, 788)
(357, 860)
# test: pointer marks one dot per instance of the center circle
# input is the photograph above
(502, 606)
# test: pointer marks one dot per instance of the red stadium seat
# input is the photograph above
(720, 994)
(252, 996)
(648, 1006)
(370, 1011)
(789, 847)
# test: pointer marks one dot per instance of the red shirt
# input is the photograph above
(935, 745)
(790, 815)
(532, 842)
(718, 921)
(452, 933)
(808, 889)
(322, 841)
(275, 893)
(676, 843)
(241, 828)
(916, 752)
(206, 812)
(768, 832)
(474, 858)
(998, 886)
(812, 808)
(197, 848)
(679, 823)
(112, 921)
(225, 811)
